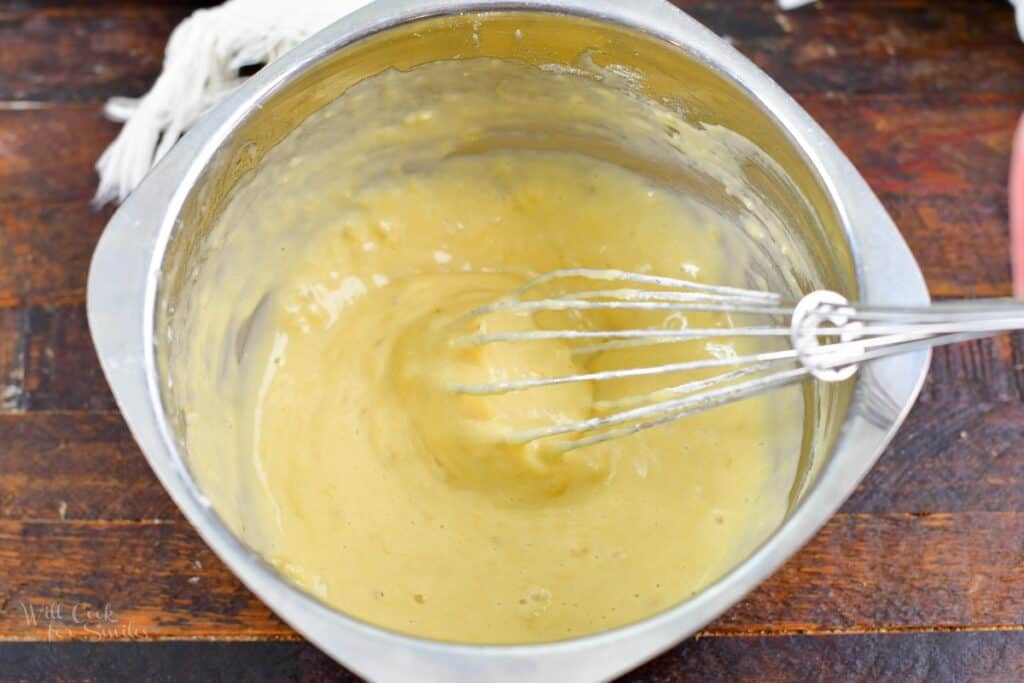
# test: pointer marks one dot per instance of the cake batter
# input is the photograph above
(313, 364)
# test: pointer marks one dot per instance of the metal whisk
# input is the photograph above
(828, 336)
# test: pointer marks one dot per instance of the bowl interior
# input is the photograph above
(810, 252)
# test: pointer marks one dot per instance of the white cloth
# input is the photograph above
(1019, 5)
(201, 65)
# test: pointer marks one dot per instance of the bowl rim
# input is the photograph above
(121, 305)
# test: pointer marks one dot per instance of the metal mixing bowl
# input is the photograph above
(847, 240)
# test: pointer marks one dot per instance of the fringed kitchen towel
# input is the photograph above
(201, 65)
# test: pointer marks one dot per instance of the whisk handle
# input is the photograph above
(832, 337)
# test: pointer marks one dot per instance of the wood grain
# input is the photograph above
(47, 151)
(854, 47)
(152, 573)
(961, 242)
(896, 658)
(12, 361)
(923, 144)
(11, 8)
(45, 251)
(892, 658)
(168, 662)
(47, 361)
(903, 585)
(949, 457)
(81, 53)
(988, 370)
(72, 467)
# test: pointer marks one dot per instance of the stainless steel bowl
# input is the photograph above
(850, 243)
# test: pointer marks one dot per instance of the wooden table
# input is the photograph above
(919, 578)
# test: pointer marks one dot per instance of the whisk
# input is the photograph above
(828, 339)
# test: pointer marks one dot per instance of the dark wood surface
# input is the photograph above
(920, 577)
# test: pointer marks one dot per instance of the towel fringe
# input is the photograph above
(201, 66)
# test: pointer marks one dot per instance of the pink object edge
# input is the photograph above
(1016, 189)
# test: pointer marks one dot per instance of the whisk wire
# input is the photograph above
(829, 338)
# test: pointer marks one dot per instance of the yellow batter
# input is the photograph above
(313, 369)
